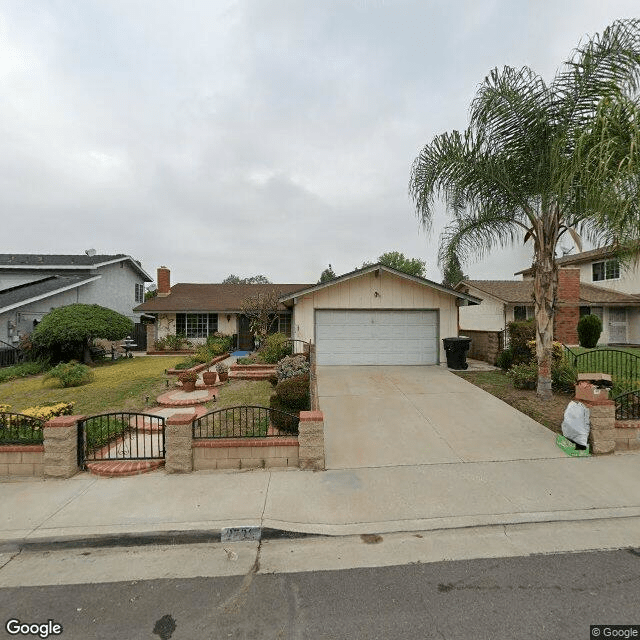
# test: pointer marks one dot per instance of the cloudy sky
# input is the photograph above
(249, 136)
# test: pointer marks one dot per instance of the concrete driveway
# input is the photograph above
(393, 416)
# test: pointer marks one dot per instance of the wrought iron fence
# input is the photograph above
(16, 428)
(9, 355)
(628, 406)
(622, 366)
(298, 346)
(121, 436)
(245, 422)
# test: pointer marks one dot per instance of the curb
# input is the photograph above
(228, 534)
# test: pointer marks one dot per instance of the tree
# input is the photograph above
(327, 275)
(261, 310)
(452, 273)
(400, 262)
(67, 332)
(540, 160)
(257, 279)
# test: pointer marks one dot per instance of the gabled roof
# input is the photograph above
(214, 298)
(19, 295)
(58, 262)
(381, 267)
(578, 258)
(521, 292)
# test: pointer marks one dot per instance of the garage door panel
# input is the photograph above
(377, 337)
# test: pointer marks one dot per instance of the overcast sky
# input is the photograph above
(250, 136)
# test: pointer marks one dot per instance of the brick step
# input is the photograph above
(250, 375)
(118, 468)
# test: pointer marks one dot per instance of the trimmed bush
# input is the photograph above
(291, 367)
(525, 376)
(176, 342)
(46, 412)
(218, 344)
(294, 393)
(589, 330)
(280, 421)
(557, 350)
(70, 374)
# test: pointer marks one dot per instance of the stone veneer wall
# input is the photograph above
(485, 345)
(22, 460)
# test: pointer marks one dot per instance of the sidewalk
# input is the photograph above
(338, 502)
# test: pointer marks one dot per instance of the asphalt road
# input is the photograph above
(545, 597)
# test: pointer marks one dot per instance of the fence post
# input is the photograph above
(602, 411)
(311, 440)
(178, 443)
(61, 446)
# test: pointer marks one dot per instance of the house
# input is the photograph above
(591, 282)
(375, 315)
(31, 285)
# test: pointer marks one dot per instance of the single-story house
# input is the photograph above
(31, 285)
(374, 315)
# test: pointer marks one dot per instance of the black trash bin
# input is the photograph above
(456, 350)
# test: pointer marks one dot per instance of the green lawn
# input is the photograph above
(119, 386)
(624, 369)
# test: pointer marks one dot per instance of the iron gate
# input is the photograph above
(120, 436)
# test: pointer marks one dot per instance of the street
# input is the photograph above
(255, 595)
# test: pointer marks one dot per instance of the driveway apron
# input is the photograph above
(393, 416)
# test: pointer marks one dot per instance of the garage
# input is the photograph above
(376, 337)
(376, 316)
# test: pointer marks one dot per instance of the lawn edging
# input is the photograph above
(199, 367)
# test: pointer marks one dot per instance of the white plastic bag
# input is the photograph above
(575, 425)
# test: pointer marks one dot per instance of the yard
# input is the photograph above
(123, 385)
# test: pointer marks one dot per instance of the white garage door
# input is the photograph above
(354, 336)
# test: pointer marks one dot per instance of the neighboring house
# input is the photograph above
(31, 285)
(592, 282)
(375, 315)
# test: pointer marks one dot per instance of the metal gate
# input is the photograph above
(120, 436)
(140, 336)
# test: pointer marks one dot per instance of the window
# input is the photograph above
(139, 292)
(281, 323)
(196, 325)
(521, 313)
(607, 270)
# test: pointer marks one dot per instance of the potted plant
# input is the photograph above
(209, 378)
(223, 371)
(188, 379)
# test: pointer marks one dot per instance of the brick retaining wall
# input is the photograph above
(251, 453)
(22, 460)
(485, 345)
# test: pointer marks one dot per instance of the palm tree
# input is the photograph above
(540, 160)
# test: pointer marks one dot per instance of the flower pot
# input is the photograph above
(209, 378)
(224, 376)
(189, 385)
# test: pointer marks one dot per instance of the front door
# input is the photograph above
(245, 337)
(617, 325)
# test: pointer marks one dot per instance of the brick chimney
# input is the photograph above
(164, 281)
(567, 313)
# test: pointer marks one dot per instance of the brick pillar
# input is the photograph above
(151, 336)
(61, 446)
(311, 440)
(567, 312)
(602, 411)
(164, 281)
(178, 443)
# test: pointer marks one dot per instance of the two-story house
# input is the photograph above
(31, 285)
(590, 282)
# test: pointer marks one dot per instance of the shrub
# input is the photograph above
(280, 421)
(70, 374)
(563, 376)
(46, 412)
(222, 367)
(5, 408)
(589, 330)
(219, 343)
(557, 351)
(524, 375)
(520, 333)
(188, 376)
(160, 344)
(505, 359)
(177, 342)
(291, 367)
(274, 348)
(202, 354)
(187, 363)
(23, 370)
(294, 393)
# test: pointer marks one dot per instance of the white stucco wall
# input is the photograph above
(359, 293)
(486, 316)
(628, 282)
(227, 327)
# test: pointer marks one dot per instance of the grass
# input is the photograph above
(122, 385)
(624, 370)
(547, 412)
(243, 392)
